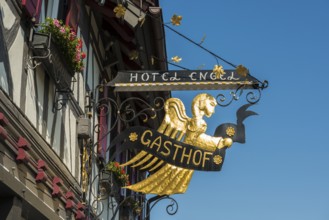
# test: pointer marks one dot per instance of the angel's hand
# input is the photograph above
(225, 142)
(228, 142)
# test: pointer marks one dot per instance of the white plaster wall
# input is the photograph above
(73, 143)
(57, 132)
(67, 138)
(8, 15)
(30, 107)
(34, 105)
(70, 141)
(40, 101)
(16, 64)
(50, 119)
(82, 94)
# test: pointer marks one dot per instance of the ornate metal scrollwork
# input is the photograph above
(107, 197)
(171, 209)
(107, 190)
(125, 112)
(61, 97)
(252, 96)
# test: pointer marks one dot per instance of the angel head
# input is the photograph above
(203, 104)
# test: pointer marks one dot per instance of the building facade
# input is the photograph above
(58, 116)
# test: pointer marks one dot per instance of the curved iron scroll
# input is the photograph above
(107, 189)
(252, 96)
(125, 112)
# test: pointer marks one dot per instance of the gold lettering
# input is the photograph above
(194, 157)
(147, 142)
(156, 142)
(167, 148)
(175, 154)
(188, 156)
(205, 158)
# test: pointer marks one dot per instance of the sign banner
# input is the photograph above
(180, 80)
(169, 150)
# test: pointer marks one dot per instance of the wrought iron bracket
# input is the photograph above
(137, 203)
(252, 96)
(61, 97)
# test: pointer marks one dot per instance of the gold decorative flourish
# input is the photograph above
(119, 11)
(176, 59)
(218, 70)
(230, 131)
(85, 169)
(218, 159)
(242, 70)
(133, 55)
(133, 136)
(176, 19)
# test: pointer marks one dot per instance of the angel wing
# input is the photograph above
(168, 179)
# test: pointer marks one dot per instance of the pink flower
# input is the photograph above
(56, 23)
(62, 30)
(72, 35)
(79, 46)
(77, 56)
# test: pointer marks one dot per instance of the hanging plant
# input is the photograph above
(134, 204)
(118, 172)
(67, 42)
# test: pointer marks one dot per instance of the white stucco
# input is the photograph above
(7, 15)
(16, 63)
(40, 77)
(50, 119)
(57, 133)
(30, 106)
(70, 141)
(67, 145)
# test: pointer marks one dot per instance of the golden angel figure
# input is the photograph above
(169, 179)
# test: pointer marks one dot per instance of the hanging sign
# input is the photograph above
(170, 150)
(180, 80)
(179, 146)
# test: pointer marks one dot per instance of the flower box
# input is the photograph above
(59, 49)
(47, 52)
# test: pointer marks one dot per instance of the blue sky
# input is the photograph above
(282, 171)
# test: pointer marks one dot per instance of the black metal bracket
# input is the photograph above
(61, 97)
